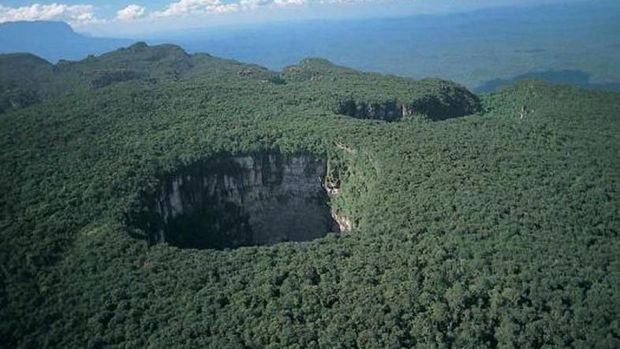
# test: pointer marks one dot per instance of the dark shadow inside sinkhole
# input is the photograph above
(233, 201)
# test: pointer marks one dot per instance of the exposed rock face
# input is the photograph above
(388, 111)
(447, 101)
(450, 103)
(228, 202)
(344, 223)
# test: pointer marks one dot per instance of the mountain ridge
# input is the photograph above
(144, 64)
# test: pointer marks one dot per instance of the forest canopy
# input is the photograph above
(476, 221)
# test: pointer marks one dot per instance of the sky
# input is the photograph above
(131, 18)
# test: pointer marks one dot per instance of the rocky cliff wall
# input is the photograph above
(388, 111)
(232, 201)
(445, 103)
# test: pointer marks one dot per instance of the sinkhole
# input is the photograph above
(233, 201)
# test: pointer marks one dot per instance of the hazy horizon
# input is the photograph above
(134, 19)
(482, 48)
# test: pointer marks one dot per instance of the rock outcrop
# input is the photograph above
(388, 111)
(445, 100)
(436, 106)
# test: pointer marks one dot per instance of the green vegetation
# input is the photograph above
(499, 229)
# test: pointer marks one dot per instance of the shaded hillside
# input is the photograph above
(138, 63)
(22, 77)
(498, 229)
(52, 41)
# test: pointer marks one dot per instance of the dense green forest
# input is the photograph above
(477, 221)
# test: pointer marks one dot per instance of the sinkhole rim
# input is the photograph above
(227, 201)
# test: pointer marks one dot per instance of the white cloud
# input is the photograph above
(197, 7)
(252, 4)
(347, 2)
(83, 15)
(193, 7)
(131, 13)
(284, 3)
(74, 14)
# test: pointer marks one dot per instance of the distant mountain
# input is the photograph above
(53, 41)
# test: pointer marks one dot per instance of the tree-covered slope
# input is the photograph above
(498, 229)
(317, 81)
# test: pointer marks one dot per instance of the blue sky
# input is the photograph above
(126, 18)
